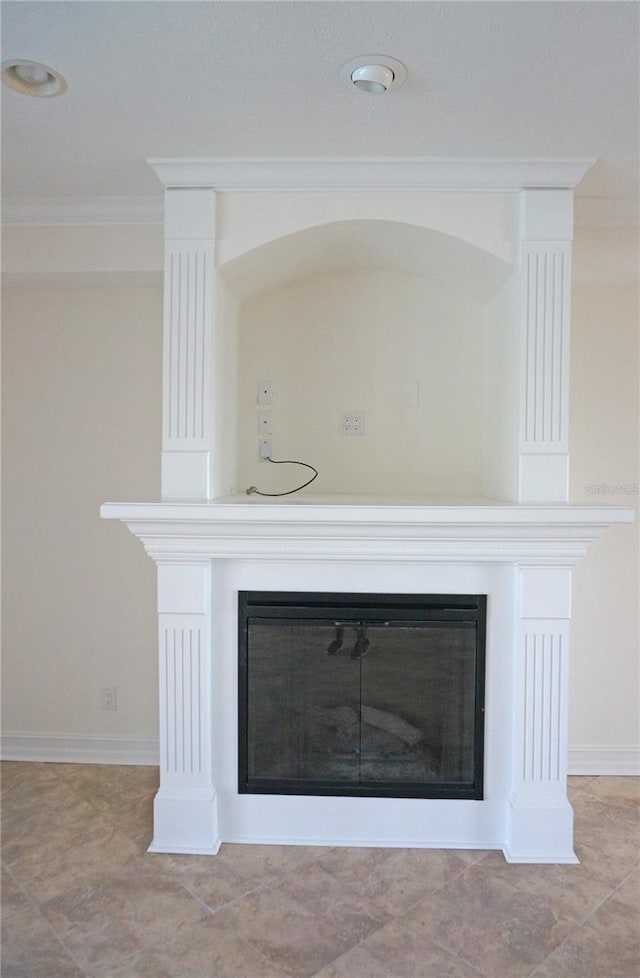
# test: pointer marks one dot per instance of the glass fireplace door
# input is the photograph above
(351, 697)
(418, 703)
(303, 704)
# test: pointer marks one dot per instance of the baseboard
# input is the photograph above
(592, 760)
(63, 749)
(77, 749)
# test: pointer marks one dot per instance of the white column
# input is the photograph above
(185, 807)
(188, 292)
(539, 817)
(545, 294)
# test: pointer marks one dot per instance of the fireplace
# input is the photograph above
(360, 694)
(454, 339)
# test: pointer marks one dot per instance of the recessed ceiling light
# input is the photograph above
(32, 78)
(374, 73)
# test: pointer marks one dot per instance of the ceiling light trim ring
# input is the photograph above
(374, 74)
(33, 78)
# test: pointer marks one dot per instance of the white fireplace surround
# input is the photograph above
(518, 549)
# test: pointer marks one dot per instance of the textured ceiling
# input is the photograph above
(243, 78)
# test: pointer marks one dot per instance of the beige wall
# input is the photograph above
(605, 678)
(81, 424)
(398, 348)
(81, 389)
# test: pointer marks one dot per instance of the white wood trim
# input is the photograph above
(79, 748)
(370, 173)
(550, 535)
(591, 760)
(585, 761)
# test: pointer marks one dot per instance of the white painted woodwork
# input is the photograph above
(545, 297)
(187, 364)
(186, 756)
(371, 173)
(520, 554)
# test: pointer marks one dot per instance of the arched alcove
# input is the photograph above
(393, 245)
(408, 326)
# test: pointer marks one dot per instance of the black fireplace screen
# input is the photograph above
(361, 694)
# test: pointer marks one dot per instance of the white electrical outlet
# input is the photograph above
(265, 422)
(265, 448)
(108, 698)
(265, 392)
(352, 423)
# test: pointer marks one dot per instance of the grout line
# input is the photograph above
(587, 917)
(580, 923)
(63, 776)
(253, 888)
(35, 908)
(212, 911)
(458, 957)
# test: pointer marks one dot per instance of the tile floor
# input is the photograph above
(81, 898)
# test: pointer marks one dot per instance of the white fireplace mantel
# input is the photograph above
(313, 528)
(521, 557)
(519, 553)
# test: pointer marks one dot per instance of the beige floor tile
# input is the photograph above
(80, 846)
(606, 946)
(302, 921)
(108, 922)
(143, 964)
(397, 952)
(236, 871)
(629, 893)
(110, 780)
(12, 896)
(74, 841)
(25, 777)
(577, 782)
(618, 790)
(490, 924)
(393, 879)
(46, 808)
(607, 825)
(124, 794)
(573, 892)
(260, 864)
(30, 950)
(210, 879)
(611, 866)
(203, 951)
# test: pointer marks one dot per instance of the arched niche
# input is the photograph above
(408, 325)
(410, 248)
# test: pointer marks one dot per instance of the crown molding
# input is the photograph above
(357, 174)
(371, 173)
(83, 211)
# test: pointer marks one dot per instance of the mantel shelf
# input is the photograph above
(339, 528)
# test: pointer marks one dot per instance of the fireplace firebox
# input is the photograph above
(361, 694)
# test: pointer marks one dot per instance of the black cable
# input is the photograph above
(287, 461)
